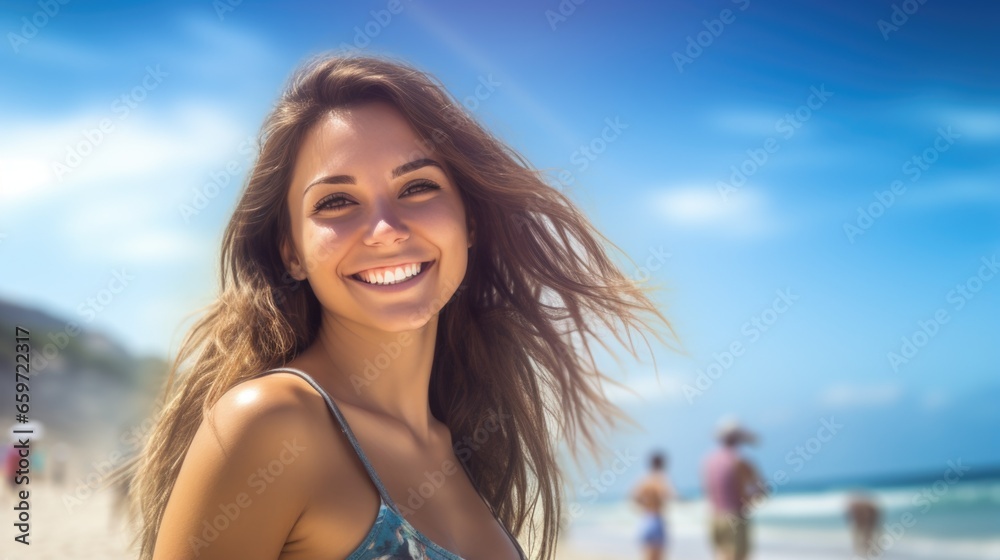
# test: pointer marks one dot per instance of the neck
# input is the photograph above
(385, 373)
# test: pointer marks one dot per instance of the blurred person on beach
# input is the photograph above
(39, 463)
(652, 493)
(11, 459)
(864, 516)
(60, 461)
(118, 516)
(731, 485)
(8, 465)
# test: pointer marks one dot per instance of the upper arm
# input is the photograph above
(668, 490)
(244, 480)
(750, 478)
(638, 490)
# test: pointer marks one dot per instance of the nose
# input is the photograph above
(387, 228)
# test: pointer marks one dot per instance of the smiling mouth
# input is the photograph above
(424, 266)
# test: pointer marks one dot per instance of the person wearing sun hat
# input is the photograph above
(731, 483)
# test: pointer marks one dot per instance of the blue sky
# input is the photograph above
(820, 107)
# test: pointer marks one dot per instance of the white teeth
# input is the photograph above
(391, 277)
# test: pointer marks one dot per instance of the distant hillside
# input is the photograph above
(85, 388)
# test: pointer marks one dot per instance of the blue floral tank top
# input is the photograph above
(391, 537)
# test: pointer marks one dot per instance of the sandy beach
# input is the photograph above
(689, 541)
(691, 548)
(62, 530)
(88, 530)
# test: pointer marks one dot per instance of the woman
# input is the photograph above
(321, 415)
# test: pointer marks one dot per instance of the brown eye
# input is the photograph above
(329, 203)
(422, 186)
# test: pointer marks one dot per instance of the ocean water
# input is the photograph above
(934, 520)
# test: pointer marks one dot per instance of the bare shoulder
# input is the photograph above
(281, 398)
(260, 415)
(247, 475)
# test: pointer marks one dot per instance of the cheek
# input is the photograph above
(447, 220)
(323, 245)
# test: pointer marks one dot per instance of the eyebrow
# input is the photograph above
(397, 172)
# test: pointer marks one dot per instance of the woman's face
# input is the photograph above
(367, 197)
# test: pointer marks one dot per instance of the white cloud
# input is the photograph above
(135, 173)
(48, 49)
(29, 147)
(22, 177)
(191, 133)
(849, 395)
(972, 122)
(121, 203)
(744, 213)
(120, 206)
(154, 246)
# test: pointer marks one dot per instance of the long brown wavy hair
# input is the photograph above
(539, 274)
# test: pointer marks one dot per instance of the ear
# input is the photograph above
(291, 260)
(472, 231)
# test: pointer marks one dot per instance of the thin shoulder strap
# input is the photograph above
(344, 427)
(489, 506)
